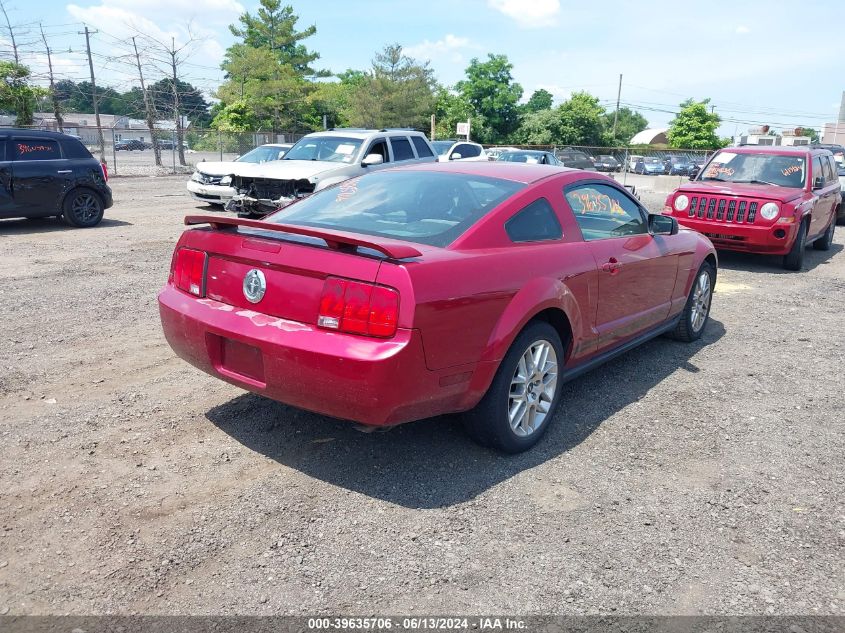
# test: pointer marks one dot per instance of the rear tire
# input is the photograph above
(697, 309)
(522, 399)
(83, 208)
(794, 260)
(823, 243)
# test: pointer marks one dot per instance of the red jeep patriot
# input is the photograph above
(758, 199)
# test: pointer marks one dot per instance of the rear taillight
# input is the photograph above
(358, 308)
(189, 271)
(105, 169)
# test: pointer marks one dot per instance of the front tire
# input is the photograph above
(697, 309)
(83, 208)
(794, 260)
(522, 399)
(823, 243)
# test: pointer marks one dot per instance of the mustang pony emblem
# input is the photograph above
(254, 286)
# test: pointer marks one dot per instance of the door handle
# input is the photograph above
(65, 171)
(611, 266)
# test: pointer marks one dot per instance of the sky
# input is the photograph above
(760, 62)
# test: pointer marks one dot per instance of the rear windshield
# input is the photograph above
(432, 208)
(521, 157)
(768, 169)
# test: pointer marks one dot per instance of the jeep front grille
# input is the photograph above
(723, 209)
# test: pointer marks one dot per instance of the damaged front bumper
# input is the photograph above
(257, 197)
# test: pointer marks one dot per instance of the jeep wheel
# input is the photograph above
(795, 258)
(823, 243)
(697, 309)
(83, 208)
(519, 405)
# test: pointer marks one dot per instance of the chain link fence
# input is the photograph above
(131, 151)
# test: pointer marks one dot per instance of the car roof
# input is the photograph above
(777, 150)
(361, 133)
(526, 151)
(35, 133)
(526, 173)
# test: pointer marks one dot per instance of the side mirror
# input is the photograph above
(372, 159)
(662, 225)
(454, 156)
(818, 183)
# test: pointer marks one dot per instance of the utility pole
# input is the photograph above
(148, 108)
(618, 97)
(100, 140)
(56, 109)
(11, 32)
(432, 127)
(176, 117)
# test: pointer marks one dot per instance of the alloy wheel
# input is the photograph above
(85, 208)
(533, 387)
(701, 296)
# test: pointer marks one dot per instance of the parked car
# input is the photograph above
(607, 163)
(205, 183)
(129, 145)
(633, 159)
(573, 158)
(696, 164)
(165, 143)
(320, 160)
(529, 156)
(650, 166)
(46, 174)
(493, 153)
(677, 166)
(759, 199)
(408, 293)
(448, 150)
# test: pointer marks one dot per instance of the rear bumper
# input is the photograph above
(216, 194)
(372, 381)
(748, 238)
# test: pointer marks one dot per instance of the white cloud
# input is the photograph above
(742, 30)
(529, 14)
(448, 48)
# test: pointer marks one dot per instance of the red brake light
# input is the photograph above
(105, 171)
(358, 308)
(189, 271)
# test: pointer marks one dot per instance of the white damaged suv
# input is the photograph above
(320, 160)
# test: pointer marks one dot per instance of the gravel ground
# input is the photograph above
(678, 479)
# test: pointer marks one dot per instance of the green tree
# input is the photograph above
(17, 94)
(274, 28)
(237, 116)
(694, 127)
(491, 91)
(540, 100)
(397, 92)
(192, 103)
(581, 120)
(628, 123)
(275, 92)
(450, 109)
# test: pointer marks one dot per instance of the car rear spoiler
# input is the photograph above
(334, 239)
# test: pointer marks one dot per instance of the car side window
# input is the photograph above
(535, 223)
(379, 146)
(36, 149)
(75, 149)
(401, 148)
(469, 151)
(604, 212)
(830, 170)
(818, 171)
(423, 150)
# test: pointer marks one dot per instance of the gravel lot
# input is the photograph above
(703, 478)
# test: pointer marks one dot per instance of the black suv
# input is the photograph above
(569, 157)
(46, 174)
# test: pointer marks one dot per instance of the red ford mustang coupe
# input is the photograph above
(438, 288)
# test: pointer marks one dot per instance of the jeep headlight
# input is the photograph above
(770, 210)
(196, 177)
(681, 203)
(226, 181)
